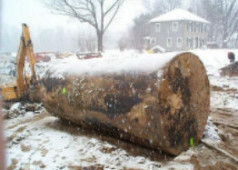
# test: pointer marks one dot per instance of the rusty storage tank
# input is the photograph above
(161, 102)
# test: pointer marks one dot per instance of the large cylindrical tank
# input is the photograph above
(158, 102)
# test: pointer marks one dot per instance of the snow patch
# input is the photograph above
(224, 100)
(178, 15)
(131, 63)
(30, 114)
(16, 106)
(211, 131)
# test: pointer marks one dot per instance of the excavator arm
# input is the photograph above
(25, 49)
(18, 90)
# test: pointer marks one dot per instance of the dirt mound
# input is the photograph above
(230, 70)
(14, 110)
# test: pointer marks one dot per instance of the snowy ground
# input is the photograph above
(7, 69)
(36, 140)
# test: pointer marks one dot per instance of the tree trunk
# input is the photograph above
(164, 106)
(100, 41)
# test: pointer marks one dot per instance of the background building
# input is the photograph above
(177, 30)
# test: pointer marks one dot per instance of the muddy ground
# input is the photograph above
(39, 141)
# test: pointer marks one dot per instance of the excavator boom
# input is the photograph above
(18, 90)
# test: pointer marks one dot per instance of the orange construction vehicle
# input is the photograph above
(20, 89)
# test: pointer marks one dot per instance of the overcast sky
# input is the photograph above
(51, 32)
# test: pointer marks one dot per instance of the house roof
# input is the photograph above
(178, 15)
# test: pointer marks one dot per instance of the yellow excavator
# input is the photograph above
(20, 89)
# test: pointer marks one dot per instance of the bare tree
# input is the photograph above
(87, 42)
(162, 6)
(97, 13)
(223, 14)
(172, 4)
(229, 20)
(235, 35)
(140, 30)
(195, 6)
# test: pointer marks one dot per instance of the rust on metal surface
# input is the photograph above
(162, 113)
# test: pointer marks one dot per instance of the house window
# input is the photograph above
(169, 42)
(157, 27)
(189, 42)
(197, 27)
(146, 41)
(152, 41)
(202, 42)
(194, 27)
(196, 42)
(175, 26)
(179, 42)
(189, 26)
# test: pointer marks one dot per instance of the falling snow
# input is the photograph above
(36, 140)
